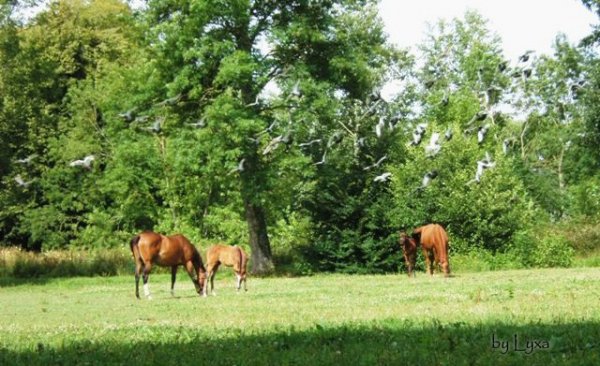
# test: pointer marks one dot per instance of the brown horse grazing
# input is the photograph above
(230, 256)
(166, 251)
(409, 250)
(434, 242)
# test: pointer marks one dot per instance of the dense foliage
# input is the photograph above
(270, 124)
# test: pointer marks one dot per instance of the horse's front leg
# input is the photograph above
(205, 285)
(210, 272)
(173, 278)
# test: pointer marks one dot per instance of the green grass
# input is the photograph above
(317, 320)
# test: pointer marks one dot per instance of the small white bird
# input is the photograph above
(21, 182)
(428, 177)
(322, 159)
(418, 134)
(27, 160)
(360, 142)
(568, 144)
(383, 177)
(296, 90)
(481, 132)
(309, 143)
(481, 166)
(421, 128)
(434, 147)
(379, 127)
(240, 168)
(155, 126)
(198, 124)
(505, 145)
(448, 134)
(170, 101)
(376, 164)
(525, 57)
(335, 139)
(273, 144)
(128, 116)
(85, 162)
(268, 129)
(416, 138)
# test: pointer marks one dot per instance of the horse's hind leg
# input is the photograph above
(436, 258)
(147, 268)
(239, 280)
(173, 278)
(429, 259)
(212, 278)
(138, 270)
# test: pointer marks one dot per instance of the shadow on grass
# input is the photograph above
(392, 342)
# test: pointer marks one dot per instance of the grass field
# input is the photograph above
(545, 317)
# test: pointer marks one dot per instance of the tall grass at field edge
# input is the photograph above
(18, 263)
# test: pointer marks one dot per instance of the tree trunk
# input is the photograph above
(523, 140)
(561, 179)
(262, 262)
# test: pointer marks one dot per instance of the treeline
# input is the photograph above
(294, 128)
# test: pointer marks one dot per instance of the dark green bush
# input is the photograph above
(486, 214)
(553, 251)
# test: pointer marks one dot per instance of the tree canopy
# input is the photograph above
(271, 124)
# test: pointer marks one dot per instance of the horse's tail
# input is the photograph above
(133, 245)
(241, 257)
(416, 234)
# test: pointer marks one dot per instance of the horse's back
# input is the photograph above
(148, 240)
(433, 235)
(164, 250)
(225, 254)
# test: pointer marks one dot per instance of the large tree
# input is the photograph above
(219, 60)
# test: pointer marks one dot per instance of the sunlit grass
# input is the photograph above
(322, 319)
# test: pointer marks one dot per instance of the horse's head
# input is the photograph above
(201, 280)
(200, 275)
(409, 249)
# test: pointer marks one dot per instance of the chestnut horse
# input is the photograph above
(409, 250)
(229, 256)
(166, 251)
(434, 243)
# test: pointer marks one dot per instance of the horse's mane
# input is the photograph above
(197, 259)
